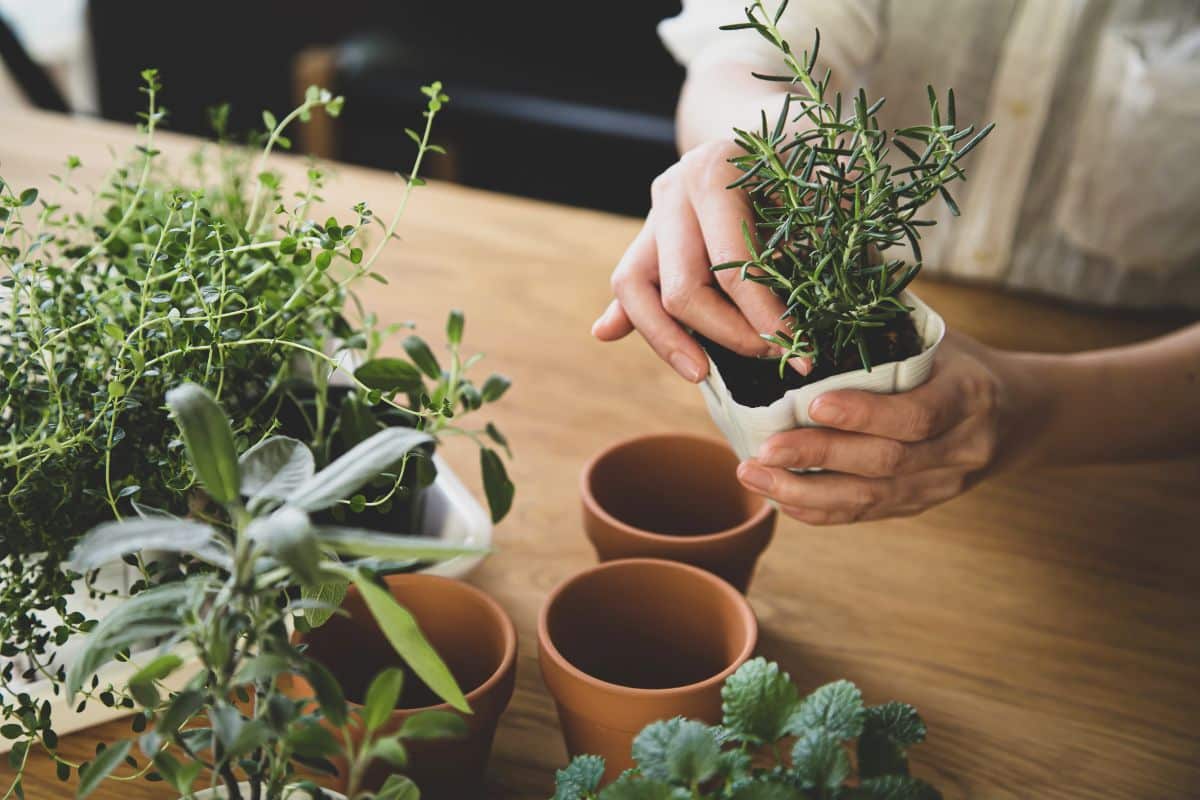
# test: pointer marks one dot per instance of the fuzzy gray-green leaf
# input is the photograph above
(209, 441)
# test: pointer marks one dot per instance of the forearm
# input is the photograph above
(1123, 404)
(718, 95)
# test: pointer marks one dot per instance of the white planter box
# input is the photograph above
(451, 513)
(747, 427)
(294, 794)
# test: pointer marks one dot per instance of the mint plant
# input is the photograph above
(241, 587)
(210, 272)
(772, 745)
(829, 205)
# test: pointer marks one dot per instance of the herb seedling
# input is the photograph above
(231, 609)
(829, 206)
(771, 745)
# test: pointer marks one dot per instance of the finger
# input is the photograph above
(850, 496)
(613, 324)
(689, 292)
(724, 216)
(636, 291)
(923, 413)
(852, 453)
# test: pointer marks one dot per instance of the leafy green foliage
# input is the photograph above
(742, 759)
(235, 619)
(217, 275)
(829, 205)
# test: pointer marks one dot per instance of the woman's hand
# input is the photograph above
(896, 455)
(665, 277)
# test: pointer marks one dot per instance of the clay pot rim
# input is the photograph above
(508, 629)
(548, 648)
(765, 509)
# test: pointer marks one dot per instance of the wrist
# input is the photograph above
(1032, 396)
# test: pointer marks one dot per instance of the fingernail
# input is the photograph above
(779, 457)
(596, 324)
(754, 476)
(826, 411)
(686, 367)
(801, 365)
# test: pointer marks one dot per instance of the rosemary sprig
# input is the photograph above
(829, 204)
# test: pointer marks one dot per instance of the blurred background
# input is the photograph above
(539, 89)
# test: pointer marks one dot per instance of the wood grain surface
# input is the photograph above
(1047, 624)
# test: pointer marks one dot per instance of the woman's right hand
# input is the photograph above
(665, 279)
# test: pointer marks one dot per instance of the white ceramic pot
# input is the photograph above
(747, 427)
(291, 794)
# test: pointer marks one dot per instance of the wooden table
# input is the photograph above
(1047, 624)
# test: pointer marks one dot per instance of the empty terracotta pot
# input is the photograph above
(629, 642)
(675, 496)
(478, 642)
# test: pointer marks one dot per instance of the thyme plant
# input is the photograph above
(211, 272)
(772, 745)
(829, 205)
(232, 721)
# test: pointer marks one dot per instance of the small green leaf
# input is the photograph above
(141, 684)
(331, 594)
(422, 356)
(402, 631)
(390, 375)
(579, 779)
(398, 787)
(693, 754)
(101, 767)
(273, 468)
(328, 692)
(650, 748)
(269, 120)
(382, 697)
(287, 535)
(495, 387)
(109, 541)
(391, 750)
(758, 700)
(893, 787)
(434, 724)
(454, 327)
(819, 760)
(632, 787)
(209, 441)
(360, 464)
(262, 667)
(836, 708)
(496, 484)
(29, 197)
(394, 547)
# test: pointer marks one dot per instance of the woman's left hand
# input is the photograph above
(893, 455)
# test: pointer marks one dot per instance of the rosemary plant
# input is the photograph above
(829, 205)
(214, 273)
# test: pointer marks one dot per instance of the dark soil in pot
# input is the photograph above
(756, 381)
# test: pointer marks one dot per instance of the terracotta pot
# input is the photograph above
(478, 642)
(629, 642)
(675, 496)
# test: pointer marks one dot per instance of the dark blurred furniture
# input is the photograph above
(30, 78)
(571, 102)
